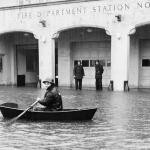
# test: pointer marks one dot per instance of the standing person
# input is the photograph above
(98, 75)
(78, 75)
(52, 99)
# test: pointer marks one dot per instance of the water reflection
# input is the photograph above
(48, 135)
(121, 122)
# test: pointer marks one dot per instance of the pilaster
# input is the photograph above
(46, 57)
(119, 59)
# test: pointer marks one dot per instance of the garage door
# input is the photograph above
(144, 66)
(88, 52)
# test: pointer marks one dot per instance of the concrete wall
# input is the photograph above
(134, 62)
(7, 53)
(64, 60)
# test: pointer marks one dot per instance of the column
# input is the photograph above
(119, 60)
(46, 58)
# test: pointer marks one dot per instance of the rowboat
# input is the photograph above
(11, 110)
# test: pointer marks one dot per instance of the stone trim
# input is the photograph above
(44, 4)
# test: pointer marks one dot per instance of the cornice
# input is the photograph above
(45, 4)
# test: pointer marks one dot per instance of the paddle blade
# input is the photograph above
(11, 121)
(12, 105)
(17, 117)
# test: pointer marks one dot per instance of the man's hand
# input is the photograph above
(38, 99)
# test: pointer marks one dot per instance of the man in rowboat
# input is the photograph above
(52, 99)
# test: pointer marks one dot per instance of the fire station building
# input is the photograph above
(45, 38)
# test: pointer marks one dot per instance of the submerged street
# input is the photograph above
(122, 121)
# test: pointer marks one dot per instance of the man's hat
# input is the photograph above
(48, 80)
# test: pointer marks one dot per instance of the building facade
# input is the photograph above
(40, 38)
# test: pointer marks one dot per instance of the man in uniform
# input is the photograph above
(78, 75)
(98, 75)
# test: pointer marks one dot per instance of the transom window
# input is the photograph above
(91, 63)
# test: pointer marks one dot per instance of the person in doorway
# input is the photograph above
(98, 75)
(52, 99)
(78, 75)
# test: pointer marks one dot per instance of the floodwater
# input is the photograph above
(122, 121)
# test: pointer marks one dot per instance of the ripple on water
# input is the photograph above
(122, 121)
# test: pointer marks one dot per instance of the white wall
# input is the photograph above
(134, 62)
(7, 52)
(64, 70)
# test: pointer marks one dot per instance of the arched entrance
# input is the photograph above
(140, 57)
(20, 59)
(87, 44)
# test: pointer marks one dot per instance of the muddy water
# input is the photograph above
(121, 122)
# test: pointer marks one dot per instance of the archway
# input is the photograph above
(86, 44)
(140, 57)
(20, 58)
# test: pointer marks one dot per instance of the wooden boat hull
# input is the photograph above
(64, 115)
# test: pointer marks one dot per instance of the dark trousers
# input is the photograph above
(98, 84)
(78, 84)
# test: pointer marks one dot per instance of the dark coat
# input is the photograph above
(78, 72)
(52, 99)
(98, 71)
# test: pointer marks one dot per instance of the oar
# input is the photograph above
(17, 117)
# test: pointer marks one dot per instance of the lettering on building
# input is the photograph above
(80, 10)
(143, 4)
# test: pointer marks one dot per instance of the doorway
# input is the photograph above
(27, 65)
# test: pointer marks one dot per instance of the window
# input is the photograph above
(92, 63)
(31, 63)
(85, 63)
(108, 63)
(145, 62)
